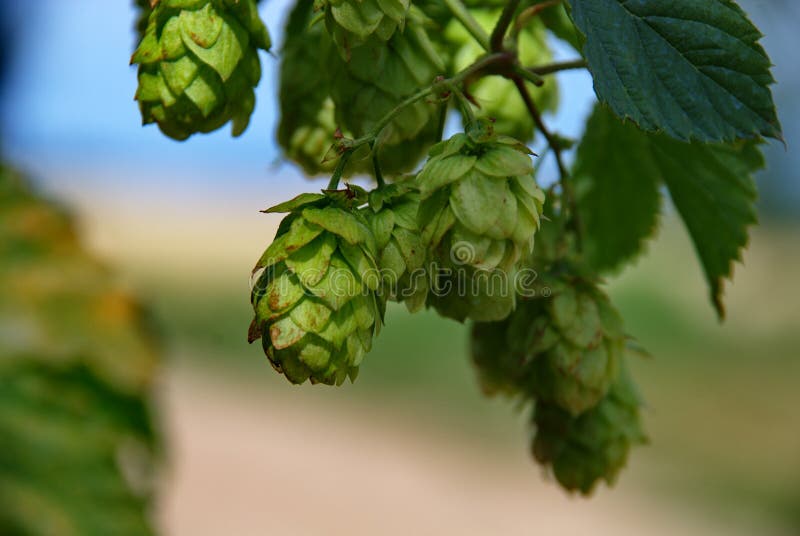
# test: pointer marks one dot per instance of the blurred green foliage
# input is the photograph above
(77, 367)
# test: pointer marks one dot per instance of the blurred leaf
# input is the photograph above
(713, 189)
(77, 368)
(74, 452)
(616, 185)
(617, 174)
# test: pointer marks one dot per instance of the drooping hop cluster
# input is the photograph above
(479, 213)
(316, 306)
(198, 65)
(564, 350)
(353, 22)
(392, 215)
(593, 446)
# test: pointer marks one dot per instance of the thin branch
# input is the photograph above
(463, 15)
(555, 146)
(551, 68)
(337, 173)
(531, 12)
(500, 29)
(376, 167)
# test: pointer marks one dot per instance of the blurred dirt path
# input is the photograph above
(247, 462)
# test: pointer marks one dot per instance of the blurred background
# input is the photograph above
(412, 446)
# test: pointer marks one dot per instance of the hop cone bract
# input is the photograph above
(198, 65)
(480, 210)
(316, 307)
(594, 446)
(353, 22)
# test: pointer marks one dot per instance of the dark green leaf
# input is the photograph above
(692, 68)
(616, 185)
(713, 189)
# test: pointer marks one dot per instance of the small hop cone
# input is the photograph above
(392, 216)
(594, 446)
(316, 306)
(198, 65)
(374, 80)
(574, 342)
(354, 22)
(479, 213)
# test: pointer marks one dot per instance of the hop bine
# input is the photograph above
(198, 65)
(479, 212)
(315, 302)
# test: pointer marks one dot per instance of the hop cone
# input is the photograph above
(498, 97)
(499, 370)
(307, 124)
(316, 307)
(480, 210)
(198, 65)
(392, 215)
(376, 79)
(574, 341)
(354, 22)
(143, 15)
(594, 446)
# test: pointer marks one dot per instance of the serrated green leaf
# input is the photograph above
(616, 186)
(713, 189)
(692, 68)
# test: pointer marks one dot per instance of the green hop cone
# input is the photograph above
(392, 215)
(375, 80)
(307, 126)
(574, 342)
(198, 65)
(594, 446)
(500, 371)
(353, 22)
(498, 97)
(479, 213)
(316, 306)
(143, 8)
